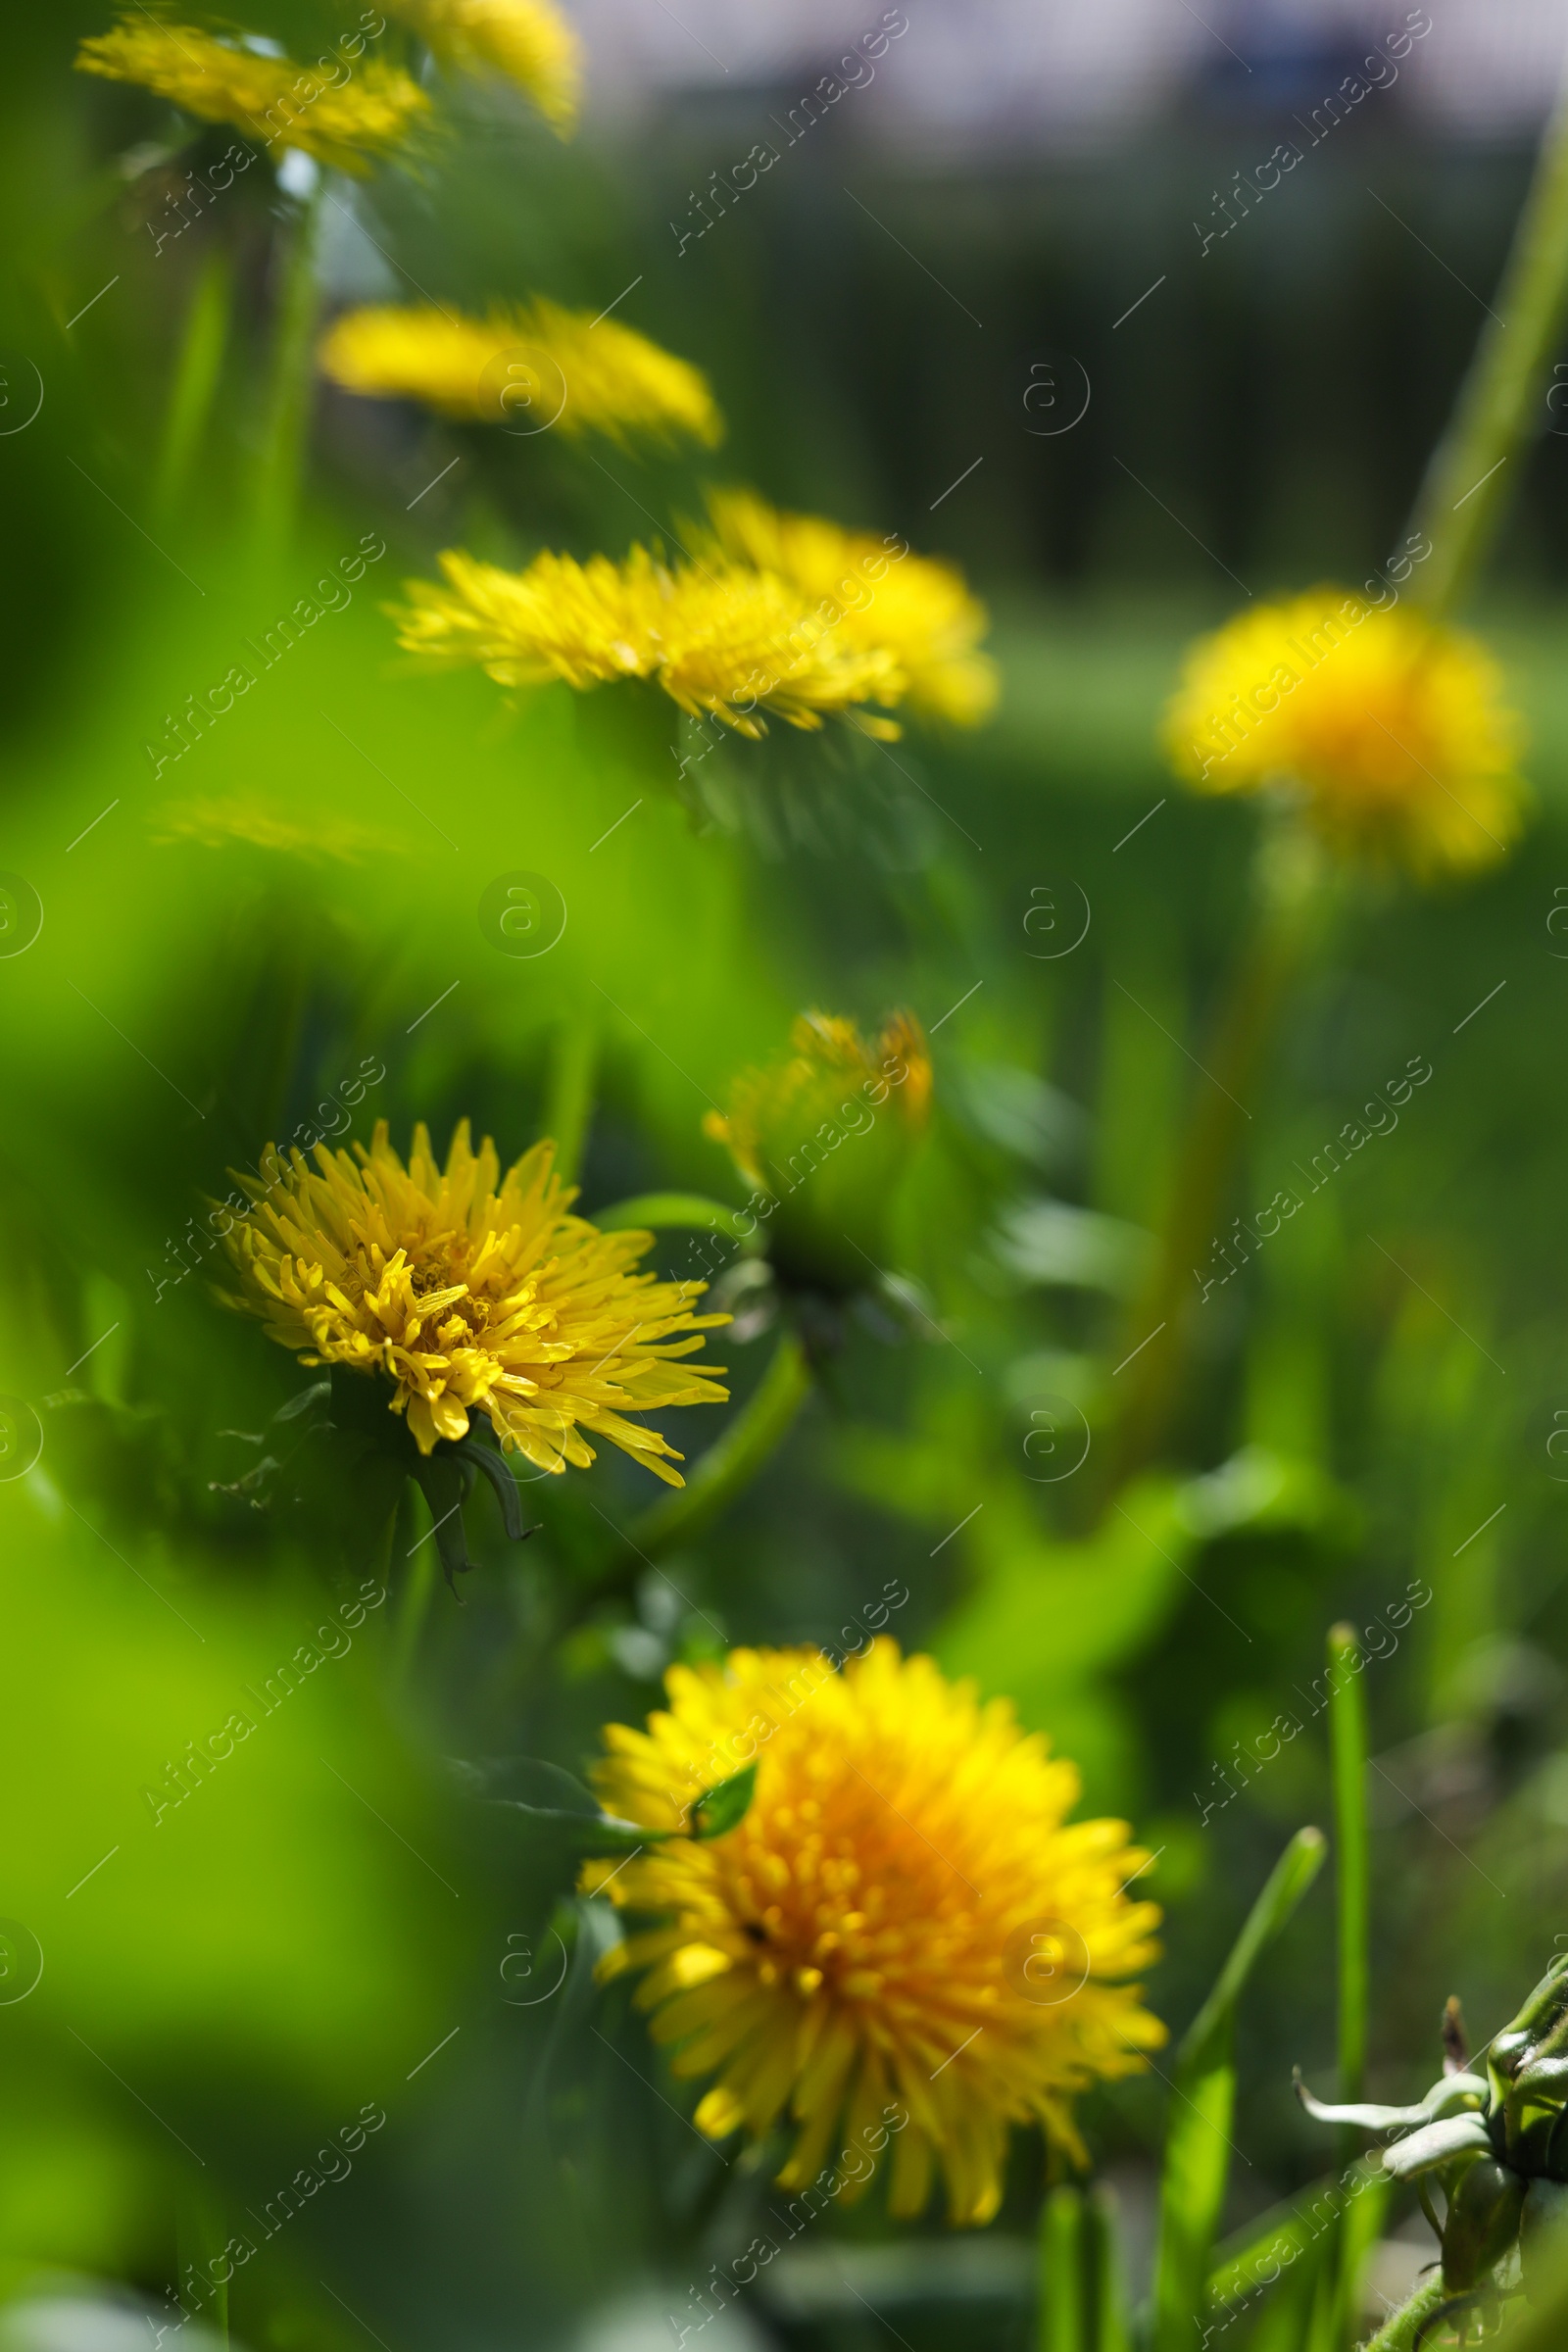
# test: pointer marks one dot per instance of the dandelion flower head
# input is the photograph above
(724, 640)
(535, 365)
(881, 594)
(527, 41)
(350, 125)
(903, 1924)
(469, 1292)
(1392, 728)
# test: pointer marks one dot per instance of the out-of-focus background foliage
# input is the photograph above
(320, 1932)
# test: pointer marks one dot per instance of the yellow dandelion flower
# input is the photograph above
(1391, 727)
(471, 1298)
(533, 363)
(731, 641)
(879, 594)
(824, 1136)
(903, 1941)
(528, 41)
(360, 119)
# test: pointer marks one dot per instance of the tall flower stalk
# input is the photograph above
(1467, 485)
(287, 427)
(1461, 502)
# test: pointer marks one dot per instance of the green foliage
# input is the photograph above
(366, 1900)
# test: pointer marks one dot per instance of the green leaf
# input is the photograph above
(1255, 2256)
(585, 1833)
(530, 1782)
(1198, 2142)
(719, 1809)
(1544, 2326)
(556, 1805)
(561, 1808)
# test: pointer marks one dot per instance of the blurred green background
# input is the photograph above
(321, 1928)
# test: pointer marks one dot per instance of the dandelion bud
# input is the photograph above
(824, 1137)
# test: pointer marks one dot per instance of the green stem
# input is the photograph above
(196, 374)
(198, 2239)
(1348, 1738)
(1062, 2315)
(569, 1101)
(413, 1605)
(1290, 897)
(730, 1465)
(1398, 2334)
(278, 481)
(1469, 480)
(1105, 2271)
(661, 1210)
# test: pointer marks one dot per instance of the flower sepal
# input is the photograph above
(557, 1803)
(1451, 2096)
(446, 1478)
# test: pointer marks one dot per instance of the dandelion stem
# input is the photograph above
(730, 1465)
(1105, 2270)
(569, 1101)
(199, 2240)
(196, 376)
(1291, 901)
(277, 482)
(1061, 2271)
(1399, 2332)
(1467, 485)
(413, 1605)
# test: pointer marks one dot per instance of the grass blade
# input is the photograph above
(1198, 2141)
(1104, 2271)
(1348, 1745)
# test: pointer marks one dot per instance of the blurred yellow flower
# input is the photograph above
(467, 1297)
(368, 115)
(1391, 727)
(528, 41)
(734, 643)
(902, 1939)
(535, 365)
(877, 592)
